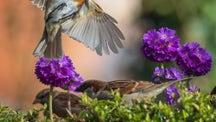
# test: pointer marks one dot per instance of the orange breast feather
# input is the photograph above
(80, 3)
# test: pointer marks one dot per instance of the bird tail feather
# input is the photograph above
(49, 48)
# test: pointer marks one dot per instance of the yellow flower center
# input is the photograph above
(164, 36)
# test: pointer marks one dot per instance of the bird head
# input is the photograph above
(95, 85)
(42, 97)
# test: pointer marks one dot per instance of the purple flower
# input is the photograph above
(193, 88)
(160, 75)
(74, 82)
(194, 60)
(56, 72)
(168, 74)
(160, 45)
(172, 94)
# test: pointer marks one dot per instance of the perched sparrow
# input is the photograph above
(101, 89)
(60, 102)
(82, 20)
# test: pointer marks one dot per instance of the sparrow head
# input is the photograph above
(95, 85)
(43, 96)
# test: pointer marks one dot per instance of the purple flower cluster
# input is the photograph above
(168, 74)
(193, 88)
(160, 45)
(74, 82)
(172, 94)
(57, 72)
(194, 60)
(164, 46)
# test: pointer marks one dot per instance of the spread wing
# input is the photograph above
(39, 3)
(95, 29)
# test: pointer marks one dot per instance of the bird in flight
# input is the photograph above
(82, 20)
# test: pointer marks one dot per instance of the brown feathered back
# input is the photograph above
(96, 84)
(61, 102)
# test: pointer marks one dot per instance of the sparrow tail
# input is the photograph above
(49, 49)
(161, 87)
(41, 46)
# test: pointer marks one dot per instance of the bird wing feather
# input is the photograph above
(124, 86)
(39, 3)
(64, 99)
(95, 29)
(128, 86)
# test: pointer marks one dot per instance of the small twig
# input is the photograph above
(162, 66)
(69, 113)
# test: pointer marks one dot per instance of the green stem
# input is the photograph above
(50, 103)
(69, 103)
(162, 66)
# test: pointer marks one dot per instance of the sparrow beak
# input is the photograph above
(78, 89)
(36, 101)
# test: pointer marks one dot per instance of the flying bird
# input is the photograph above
(82, 20)
(61, 100)
(131, 88)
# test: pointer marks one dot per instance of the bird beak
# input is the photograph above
(78, 89)
(36, 101)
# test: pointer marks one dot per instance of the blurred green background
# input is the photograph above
(193, 20)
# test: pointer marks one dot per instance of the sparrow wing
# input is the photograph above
(63, 100)
(95, 29)
(96, 85)
(143, 85)
(128, 86)
(39, 3)
(124, 86)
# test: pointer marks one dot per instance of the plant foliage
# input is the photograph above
(195, 106)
